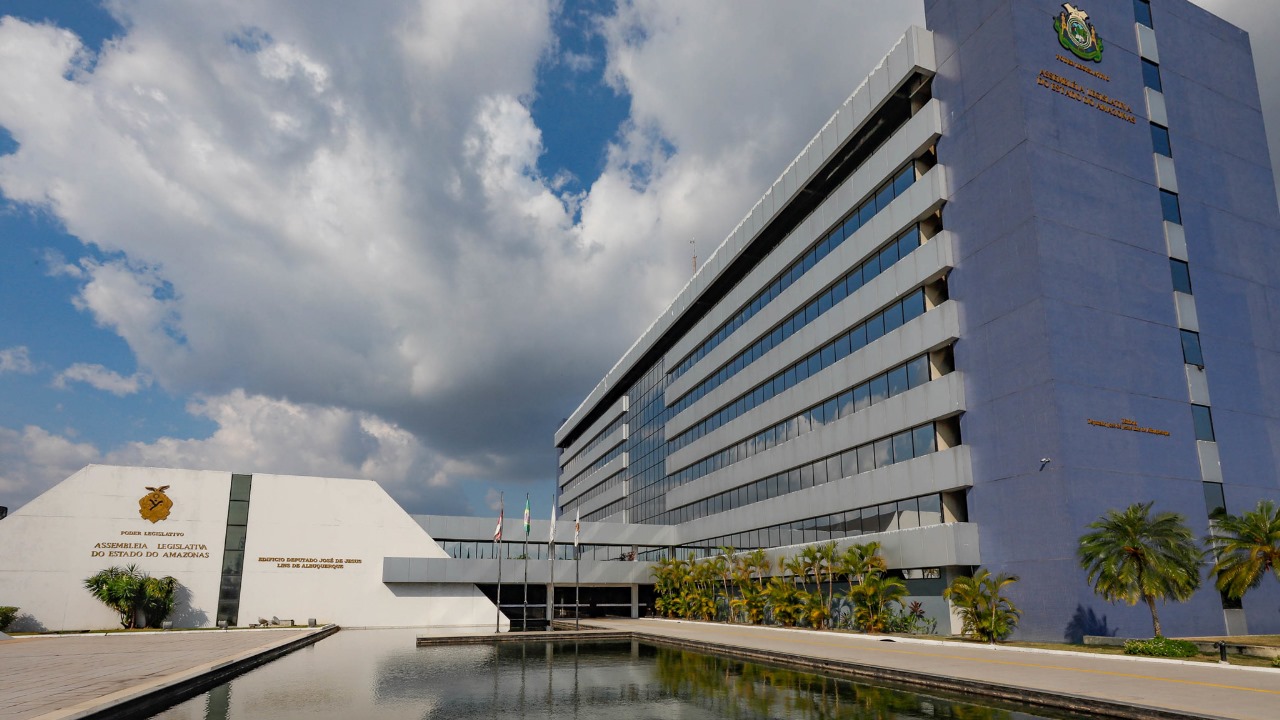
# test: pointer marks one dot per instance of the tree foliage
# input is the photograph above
(1247, 548)
(986, 613)
(1132, 556)
(132, 593)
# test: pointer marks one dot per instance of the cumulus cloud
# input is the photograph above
(328, 208)
(99, 377)
(254, 434)
(16, 360)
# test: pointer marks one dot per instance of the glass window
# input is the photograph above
(1203, 420)
(240, 487)
(892, 317)
(1160, 140)
(1142, 12)
(923, 440)
(1169, 206)
(851, 225)
(918, 371)
(810, 259)
(815, 363)
(829, 355)
(1181, 276)
(817, 416)
(898, 380)
(833, 469)
(1191, 348)
(861, 397)
(875, 328)
(793, 480)
(1151, 75)
(849, 463)
(1213, 499)
(839, 292)
(867, 211)
(819, 472)
(884, 452)
(879, 389)
(888, 517)
(841, 345)
(913, 306)
(905, 179)
(884, 197)
(845, 404)
(902, 447)
(870, 268)
(853, 280)
(802, 371)
(857, 338)
(908, 514)
(888, 256)
(235, 538)
(824, 247)
(930, 510)
(238, 512)
(866, 458)
(909, 241)
(806, 476)
(830, 411)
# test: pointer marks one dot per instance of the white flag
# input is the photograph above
(577, 526)
(553, 523)
(497, 532)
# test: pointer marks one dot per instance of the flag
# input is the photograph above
(553, 523)
(577, 526)
(497, 532)
(526, 516)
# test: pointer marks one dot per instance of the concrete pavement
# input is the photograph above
(1108, 685)
(80, 676)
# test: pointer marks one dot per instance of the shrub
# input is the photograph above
(1161, 647)
(7, 614)
(1275, 662)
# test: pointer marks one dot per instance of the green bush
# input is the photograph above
(1275, 662)
(1161, 647)
(7, 614)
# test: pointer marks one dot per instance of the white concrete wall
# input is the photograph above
(47, 547)
(329, 519)
(47, 550)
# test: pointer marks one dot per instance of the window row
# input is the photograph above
(604, 459)
(1151, 75)
(605, 485)
(487, 550)
(1181, 273)
(1202, 419)
(886, 451)
(858, 217)
(1191, 352)
(873, 328)
(595, 442)
(609, 510)
(877, 263)
(1160, 140)
(882, 387)
(924, 511)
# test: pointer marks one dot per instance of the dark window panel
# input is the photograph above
(1151, 75)
(1170, 207)
(1203, 420)
(1181, 276)
(1160, 140)
(1191, 353)
(1142, 12)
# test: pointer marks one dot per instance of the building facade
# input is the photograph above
(986, 304)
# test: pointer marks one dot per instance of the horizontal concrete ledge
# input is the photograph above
(145, 700)
(585, 634)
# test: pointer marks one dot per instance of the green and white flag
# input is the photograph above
(526, 516)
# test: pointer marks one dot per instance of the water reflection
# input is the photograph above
(381, 674)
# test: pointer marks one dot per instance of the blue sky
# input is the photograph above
(398, 243)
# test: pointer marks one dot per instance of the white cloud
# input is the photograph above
(254, 434)
(99, 377)
(16, 360)
(343, 208)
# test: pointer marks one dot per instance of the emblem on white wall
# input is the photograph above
(155, 505)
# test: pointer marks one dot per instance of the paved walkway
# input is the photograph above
(1121, 686)
(74, 676)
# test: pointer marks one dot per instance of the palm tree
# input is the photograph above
(1247, 547)
(858, 560)
(985, 611)
(873, 599)
(1131, 556)
(830, 558)
(117, 588)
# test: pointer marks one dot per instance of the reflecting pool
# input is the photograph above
(382, 674)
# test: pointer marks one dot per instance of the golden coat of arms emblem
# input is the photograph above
(155, 505)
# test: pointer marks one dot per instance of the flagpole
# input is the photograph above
(577, 572)
(524, 619)
(497, 541)
(551, 558)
